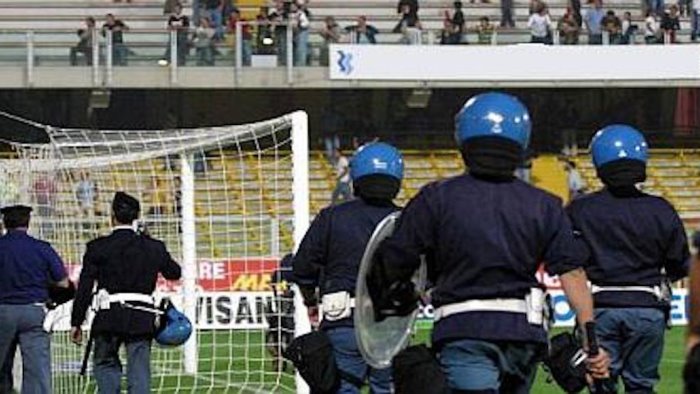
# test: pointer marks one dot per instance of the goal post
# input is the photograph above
(228, 201)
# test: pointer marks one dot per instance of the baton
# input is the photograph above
(86, 356)
(601, 385)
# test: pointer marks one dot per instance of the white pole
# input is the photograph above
(109, 60)
(189, 259)
(300, 203)
(173, 56)
(274, 237)
(30, 58)
(95, 58)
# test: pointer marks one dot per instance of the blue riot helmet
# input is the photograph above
(377, 158)
(175, 328)
(494, 114)
(617, 142)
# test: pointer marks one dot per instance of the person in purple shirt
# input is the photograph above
(28, 267)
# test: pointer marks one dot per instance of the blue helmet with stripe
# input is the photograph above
(494, 114)
(377, 158)
(175, 328)
(616, 142)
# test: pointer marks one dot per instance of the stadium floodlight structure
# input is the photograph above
(228, 202)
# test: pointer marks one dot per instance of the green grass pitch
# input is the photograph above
(236, 362)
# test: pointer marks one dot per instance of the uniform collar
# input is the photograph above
(123, 227)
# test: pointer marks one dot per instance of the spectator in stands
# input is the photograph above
(656, 6)
(45, 202)
(301, 23)
(485, 31)
(568, 28)
(409, 26)
(576, 9)
(84, 45)
(213, 11)
(343, 188)
(540, 25)
(331, 35)
(117, 27)
(412, 5)
(246, 34)
(456, 20)
(685, 7)
(447, 36)
(181, 25)
(507, 14)
(612, 25)
(577, 186)
(278, 18)
(670, 23)
(203, 41)
(594, 17)
(86, 194)
(362, 33)
(629, 29)
(651, 28)
(695, 21)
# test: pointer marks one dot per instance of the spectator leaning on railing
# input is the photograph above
(180, 24)
(485, 31)
(330, 32)
(629, 29)
(362, 33)
(84, 45)
(540, 25)
(593, 18)
(300, 24)
(612, 25)
(651, 28)
(409, 26)
(568, 28)
(670, 23)
(203, 41)
(456, 20)
(246, 34)
(117, 27)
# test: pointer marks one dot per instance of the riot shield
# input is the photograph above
(379, 342)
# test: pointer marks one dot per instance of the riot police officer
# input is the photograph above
(125, 266)
(329, 257)
(27, 267)
(632, 237)
(484, 234)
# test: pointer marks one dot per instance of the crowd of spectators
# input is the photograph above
(215, 23)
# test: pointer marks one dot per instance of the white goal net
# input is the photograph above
(228, 202)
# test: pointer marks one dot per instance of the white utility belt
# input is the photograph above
(103, 301)
(336, 306)
(535, 306)
(654, 290)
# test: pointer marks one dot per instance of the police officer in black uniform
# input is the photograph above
(125, 266)
(329, 258)
(28, 267)
(484, 234)
(631, 237)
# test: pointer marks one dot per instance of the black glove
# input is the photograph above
(390, 298)
(60, 295)
(691, 371)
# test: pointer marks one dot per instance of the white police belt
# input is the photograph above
(534, 306)
(336, 306)
(653, 290)
(104, 301)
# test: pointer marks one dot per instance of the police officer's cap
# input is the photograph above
(123, 202)
(16, 210)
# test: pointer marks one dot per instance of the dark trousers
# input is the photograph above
(24, 325)
(6, 379)
(108, 367)
(507, 13)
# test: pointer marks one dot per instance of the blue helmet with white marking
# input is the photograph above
(377, 158)
(616, 142)
(494, 114)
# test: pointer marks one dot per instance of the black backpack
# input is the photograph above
(415, 370)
